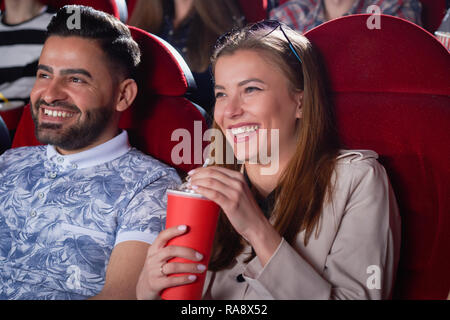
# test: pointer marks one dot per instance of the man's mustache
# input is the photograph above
(61, 104)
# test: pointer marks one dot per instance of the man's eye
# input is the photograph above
(43, 76)
(76, 80)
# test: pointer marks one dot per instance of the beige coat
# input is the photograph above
(355, 255)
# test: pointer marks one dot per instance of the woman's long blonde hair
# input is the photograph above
(305, 182)
(211, 18)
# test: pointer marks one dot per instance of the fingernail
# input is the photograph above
(201, 267)
(182, 228)
(192, 277)
(194, 187)
(199, 256)
(191, 172)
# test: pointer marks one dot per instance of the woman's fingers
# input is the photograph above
(169, 252)
(169, 282)
(214, 170)
(228, 177)
(178, 267)
(166, 235)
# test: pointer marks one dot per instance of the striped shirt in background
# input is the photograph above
(304, 15)
(20, 48)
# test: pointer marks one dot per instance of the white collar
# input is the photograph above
(105, 152)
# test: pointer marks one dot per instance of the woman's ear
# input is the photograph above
(299, 104)
(127, 93)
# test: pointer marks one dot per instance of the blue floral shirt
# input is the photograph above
(61, 216)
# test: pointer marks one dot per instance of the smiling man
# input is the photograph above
(77, 215)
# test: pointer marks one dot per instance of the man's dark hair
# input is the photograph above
(113, 36)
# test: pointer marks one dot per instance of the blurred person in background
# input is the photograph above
(22, 34)
(304, 15)
(192, 27)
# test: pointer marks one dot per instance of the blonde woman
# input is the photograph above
(192, 27)
(325, 225)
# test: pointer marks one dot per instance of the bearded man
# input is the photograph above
(77, 216)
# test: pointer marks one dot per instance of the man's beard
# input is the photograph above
(75, 136)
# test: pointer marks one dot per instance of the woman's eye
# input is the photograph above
(219, 95)
(251, 89)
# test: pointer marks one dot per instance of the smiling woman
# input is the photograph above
(312, 229)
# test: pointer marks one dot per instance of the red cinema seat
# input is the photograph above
(391, 92)
(131, 4)
(12, 117)
(433, 12)
(254, 10)
(160, 108)
(5, 141)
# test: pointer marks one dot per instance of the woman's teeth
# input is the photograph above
(244, 129)
(61, 114)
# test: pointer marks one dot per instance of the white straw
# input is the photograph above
(207, 161)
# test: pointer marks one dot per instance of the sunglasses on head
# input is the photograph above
(264, 24)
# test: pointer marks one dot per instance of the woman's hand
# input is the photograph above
(230, 191)
(153, 278)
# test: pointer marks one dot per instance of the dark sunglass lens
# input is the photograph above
(264, 24)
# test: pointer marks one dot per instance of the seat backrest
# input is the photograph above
(160, 108)
(254, 10)
(12, 117)
(131, 4)
(391, 92)
(433, 12)
(5, 142)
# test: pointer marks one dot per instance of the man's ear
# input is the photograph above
(299, 104)
(127, 93)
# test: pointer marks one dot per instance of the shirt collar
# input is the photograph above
(100, 154)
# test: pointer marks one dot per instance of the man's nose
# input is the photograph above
(54, 92)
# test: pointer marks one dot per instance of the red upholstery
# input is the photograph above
(108, 6)
(254, 10)
(160, 108)
(12, 117)
(131, 4)
(433, 12)
(391, 91)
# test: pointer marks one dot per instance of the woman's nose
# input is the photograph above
(234, 107)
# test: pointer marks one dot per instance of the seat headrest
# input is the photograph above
(162, 70)
(401, 57)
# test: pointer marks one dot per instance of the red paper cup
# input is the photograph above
(200, 216)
